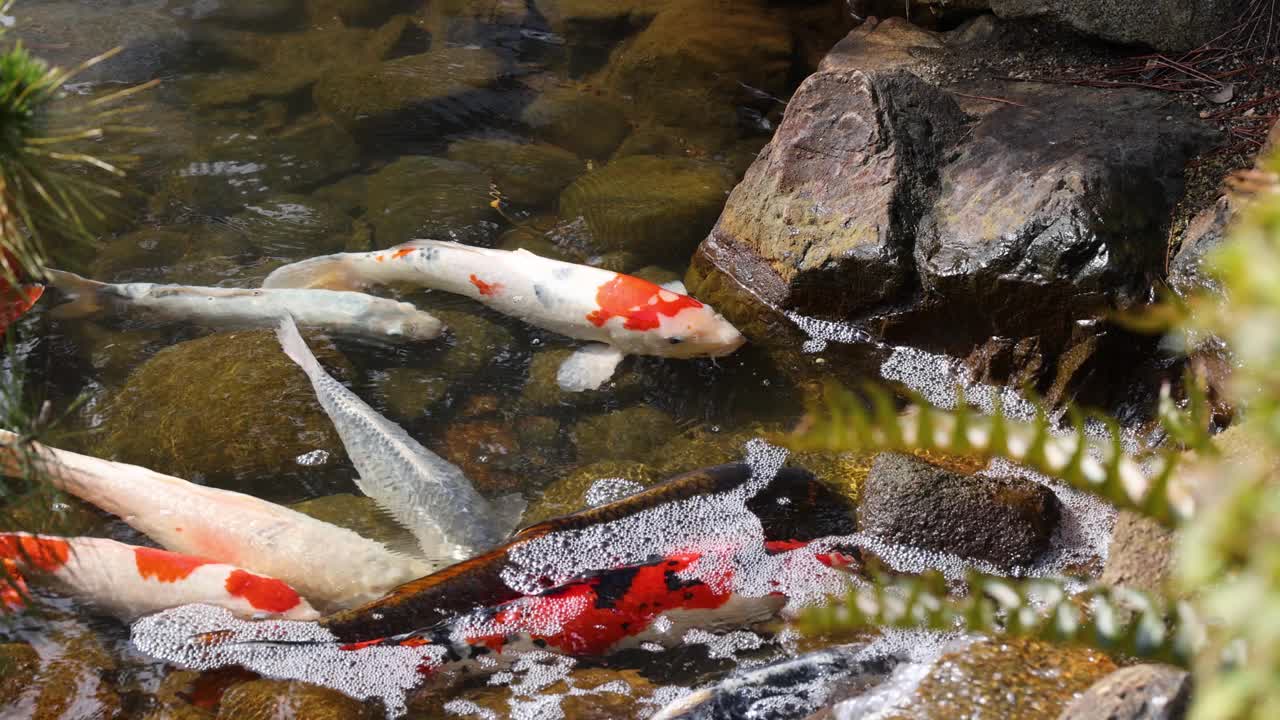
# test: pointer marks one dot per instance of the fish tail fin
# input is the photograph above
(16, 302)
(327, 272)
(13, 587)
(295, 347)
(84, 295)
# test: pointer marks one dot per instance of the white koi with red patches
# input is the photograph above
(130, 581)
(626, 313)
(230, 527)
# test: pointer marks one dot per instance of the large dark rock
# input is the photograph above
(908, 203)
(1044, 218)
(1139, 692)
(1167, 25)
(908, 502)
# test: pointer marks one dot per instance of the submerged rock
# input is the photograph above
(588, 124)
(489, 454)
(292, 225)
(1005, 679)
(268, 699)
(19, 663)
(1206, 231)
(1166, 25)
(415, 96)
(429, 197)
(656, 207)
(569, 493)
(697, 57)
(627, 434)
(73, 679)
(910, 503)
(525, 173)
(229, 405)
(1139, 692)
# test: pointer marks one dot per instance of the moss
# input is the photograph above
(430, 197)
(627, 434)
(575, 118)
(268, 699)
(525, 173)
(228, 405)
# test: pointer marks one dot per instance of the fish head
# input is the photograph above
(696, 332)
(415, 326)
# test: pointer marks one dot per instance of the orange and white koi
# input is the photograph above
(130, 581)
(620, 314)
(350, 314)
(227, 526)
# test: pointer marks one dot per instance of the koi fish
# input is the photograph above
(129, 581)
(477, 617)
(423, 492)
(350, 314)
(619, 314)
(226, 526)
(17, 296)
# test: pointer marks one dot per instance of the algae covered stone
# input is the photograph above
(229, 405)
(575, 118)
(627, 434)
(568, 494)
(291, 224)
(656, 207)
(525, 173)
(269, 699)
(429, 197)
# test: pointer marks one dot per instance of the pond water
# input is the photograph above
(285, 129)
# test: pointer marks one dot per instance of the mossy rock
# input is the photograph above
(430, 197)
(1006, 679)
(229, 405)
(568, 493)
(626, 434)
(685, 69)
(291, 225)
(19, 663)
(414, 96)
(543, 392)
(488, 453)
(350, 194)
(73, 680)
(360, 515)
(148, 253)
(701, 447)
(525, 173)
(575, 118)
(657, 207)
(269, 699)
(409, 391)
(474, 344)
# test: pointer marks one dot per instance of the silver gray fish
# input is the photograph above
(352, 314)
(421, 490)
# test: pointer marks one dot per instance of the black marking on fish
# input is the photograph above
(544, 296)
(614, 586)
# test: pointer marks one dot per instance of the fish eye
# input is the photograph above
(675, 340)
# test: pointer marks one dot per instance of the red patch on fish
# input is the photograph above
(405, 251)
(267, 594)
(639, 302)
(13, 587)
(15, 302)
(165, 566)
(486, 289)
(45, 554)
(598, 616)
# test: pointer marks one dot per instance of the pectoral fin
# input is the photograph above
(675, 286)
(588, 368)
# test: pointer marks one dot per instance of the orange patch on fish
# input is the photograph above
(165, 566)
(15, 302)
(13, 587)
(487, 289)
(267, 594)
(45, 554)
(639, 302)
(405, 251)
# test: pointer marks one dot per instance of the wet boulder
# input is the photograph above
(1138, 692)
(525, 173)
(1006, 678)
(907, 502)
(1140, 555)
(698, 58)
(1044, 218)
(587, 123)
(656, 207)
(1205, 232)
(1166, 25)
(414, 97)
(429, 197)
(229, 406)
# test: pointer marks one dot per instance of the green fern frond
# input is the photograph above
(1117, 620)
(843, 423)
